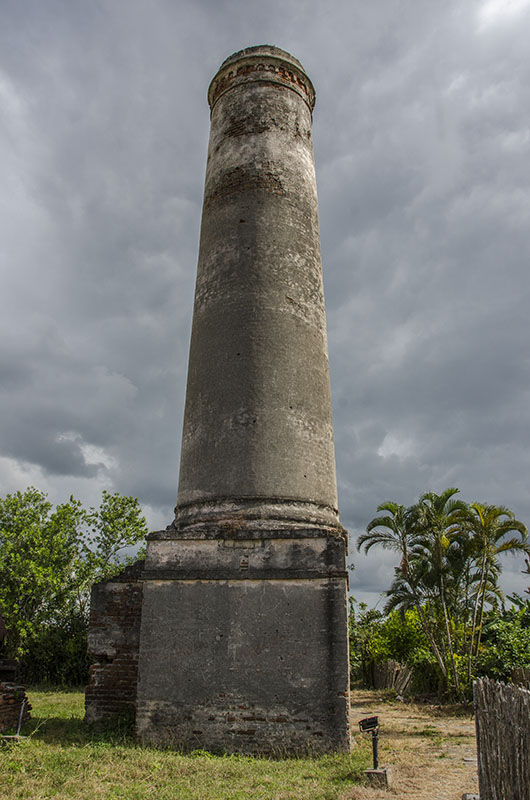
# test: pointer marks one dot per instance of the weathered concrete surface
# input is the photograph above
(257, 428)
(246, 554)
(380, 778)
(259, 660)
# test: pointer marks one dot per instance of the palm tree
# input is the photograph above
(448, 568)
(437, 521)
(391, 531)
(411, 590)
(489, 527)
(397, 530)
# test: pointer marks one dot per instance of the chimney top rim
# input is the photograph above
(261, 50)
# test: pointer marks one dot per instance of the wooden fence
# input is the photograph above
(502, 718)
(391, 675)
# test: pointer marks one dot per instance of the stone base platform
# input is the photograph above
(243, 642)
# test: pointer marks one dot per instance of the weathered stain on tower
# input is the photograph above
(243, 627)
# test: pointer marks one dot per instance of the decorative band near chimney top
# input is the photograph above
(265, 64)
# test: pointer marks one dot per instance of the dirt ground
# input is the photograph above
(430, 750)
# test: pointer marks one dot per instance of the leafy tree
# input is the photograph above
(397, 530)
(116, 525)
(39, 549)
(49, 559)
(398, 637)
(414, 591)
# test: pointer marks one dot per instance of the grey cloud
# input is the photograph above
(421, 143)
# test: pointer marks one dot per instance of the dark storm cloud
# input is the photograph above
(421, 145)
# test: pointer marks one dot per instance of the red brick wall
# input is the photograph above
(113, 642)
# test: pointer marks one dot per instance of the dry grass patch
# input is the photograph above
(430, 749)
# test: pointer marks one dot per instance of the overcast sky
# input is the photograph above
(422, 145)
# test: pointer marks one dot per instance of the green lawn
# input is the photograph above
(63, 759)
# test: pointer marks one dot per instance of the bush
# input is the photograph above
(426, 676)
(58, 654)
(506, 645)
(398, 637)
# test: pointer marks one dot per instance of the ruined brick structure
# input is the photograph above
(242, 635)
(113, 643)
(12, 696)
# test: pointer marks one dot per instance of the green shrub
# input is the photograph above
(398, 637)
(57, 655)
(506, 644)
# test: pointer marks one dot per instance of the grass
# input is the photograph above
(62, 758)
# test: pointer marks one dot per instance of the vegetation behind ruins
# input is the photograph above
(445, 616)
(49, 559)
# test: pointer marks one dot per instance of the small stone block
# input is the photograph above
(379, 778)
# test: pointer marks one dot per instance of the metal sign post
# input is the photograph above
(378, 776)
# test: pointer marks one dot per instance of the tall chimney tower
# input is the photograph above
(258, 438)
(243, 644)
